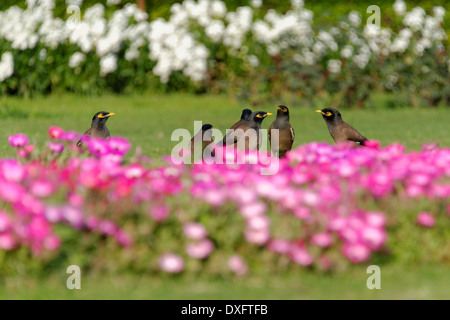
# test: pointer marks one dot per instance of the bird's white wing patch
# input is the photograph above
(292, 133)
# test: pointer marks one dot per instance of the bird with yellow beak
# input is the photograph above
(98, 127)
(340, 130)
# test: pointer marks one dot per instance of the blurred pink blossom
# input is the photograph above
(194, 230)
(425, 219)
(18, 140)
(55, 132)
(200, 249)
(171, 263)
(237, 265)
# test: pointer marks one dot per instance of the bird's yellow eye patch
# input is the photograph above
(328, 114)
(259, 116)
(101, 116)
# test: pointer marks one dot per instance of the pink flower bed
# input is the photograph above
(324, 201)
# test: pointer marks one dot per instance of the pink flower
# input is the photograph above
(374, 237)
(258, 237)
(376, 219)
(18, 140)
(52, 242)
(253, 209)
(98, 147)
(159, 212)
(356, 252)
(38, 229)
(194, 230)
(302, 213)
(5, 222)
(280, 246)
(70, 136)
(200, 250)
(123, 238)
(322, 239)
(171, 263)
(42, 188)
(55, 132)
(55, 147)
(237, 265)
(373, 144)
(7, 241)
(26, 151)
(259, 222)
(119, 145)
(107, 228)
(73, 216)
(12, 170)
(53, 214)
(425, 219)
(92, 222)
(300, 255)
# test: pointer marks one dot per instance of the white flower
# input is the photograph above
(218, 9)
(253, 60)
(108, 64)
(347, 52)
(297, 4)
(256, 3)
(355, 18)
(439, 12)
(415, 18)
(399, 7)
(113, 2)
(42, 54)
(334, 66)
(215, 30)
(6, 66)
(76, 59)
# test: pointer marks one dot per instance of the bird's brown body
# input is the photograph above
(245, 133)
(286, 133)
(339, 130)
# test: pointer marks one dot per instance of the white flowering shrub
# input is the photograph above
(203, 46)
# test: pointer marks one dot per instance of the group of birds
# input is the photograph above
(339, 130)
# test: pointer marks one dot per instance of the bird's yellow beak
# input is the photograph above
(107, 115)
(269, 114)
(320, 111)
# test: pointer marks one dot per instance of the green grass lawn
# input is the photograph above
(148, 121)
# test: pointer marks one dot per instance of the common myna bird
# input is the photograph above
(241, 124)
(253, 121)
(98, 127)
(204, 135)
(245, 116)
(286, 133)
(340, 130)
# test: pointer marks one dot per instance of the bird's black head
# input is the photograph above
(206, 127)
(330, 114)
(102, 115)
(246, 114)
(259, 116)
(282, 110)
